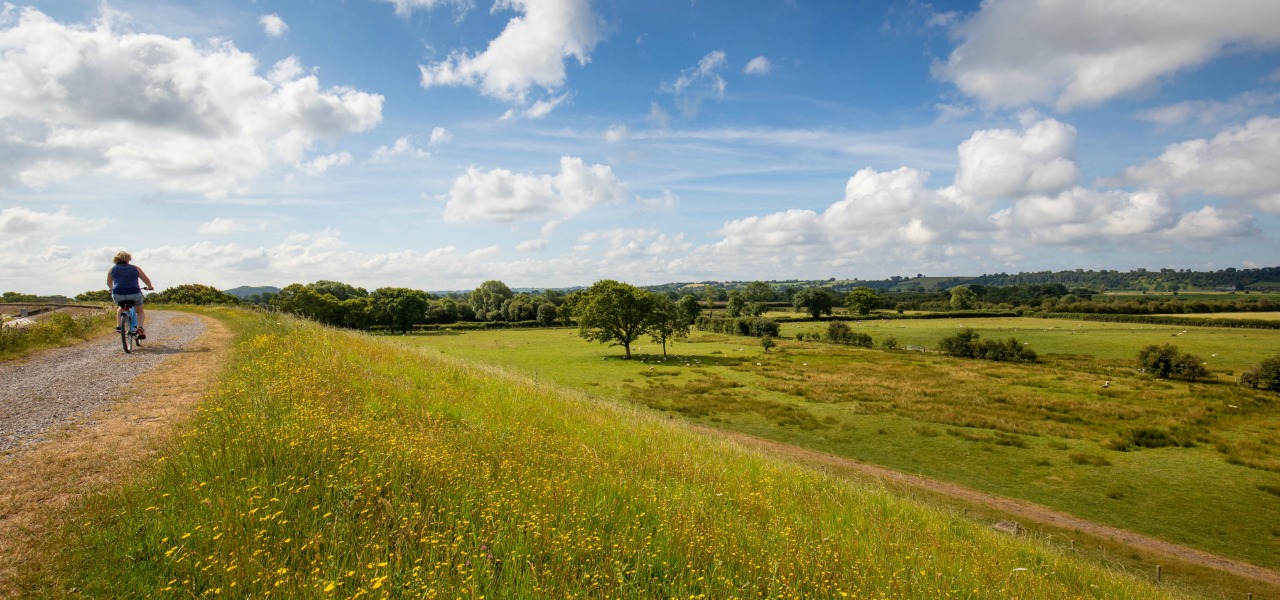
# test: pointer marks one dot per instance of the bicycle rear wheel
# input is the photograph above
(126, 340)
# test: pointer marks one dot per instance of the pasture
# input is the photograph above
(1193, 463)
(1227, 351)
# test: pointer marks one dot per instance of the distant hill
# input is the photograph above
(245, 291)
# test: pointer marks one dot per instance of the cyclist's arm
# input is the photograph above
(110, 282)
(144, 278)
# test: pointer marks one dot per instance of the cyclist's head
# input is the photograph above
(122, 257)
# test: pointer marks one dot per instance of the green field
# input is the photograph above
(1262, 316)
(328, 464)
(1226, 350)
(1042, 432)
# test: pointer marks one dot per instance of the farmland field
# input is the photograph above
(1262, 316)
(1049, 432)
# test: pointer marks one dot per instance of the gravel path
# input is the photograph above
(62, 386)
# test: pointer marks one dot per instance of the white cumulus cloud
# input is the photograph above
(403, 146)
(440, 136)
(1239, 162)
(1211, 223)
(501, 195)
(1071, 54)
(186, 117)
(219, 226)
(758, 66)
(20, 225)
(1005, 163)
(530, 52)
(273, 25)
(321, 164)
(1014, 190)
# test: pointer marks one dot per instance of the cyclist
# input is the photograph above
(122, 280)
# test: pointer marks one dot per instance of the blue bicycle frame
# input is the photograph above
(128, 322)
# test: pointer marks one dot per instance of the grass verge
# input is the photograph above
(57, 330)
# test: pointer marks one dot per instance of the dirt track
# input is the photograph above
(1021, 509)
(52, 468)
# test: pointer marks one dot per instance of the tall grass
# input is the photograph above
(330, 465)
(58, 329)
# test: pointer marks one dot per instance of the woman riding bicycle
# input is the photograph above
(122, 280)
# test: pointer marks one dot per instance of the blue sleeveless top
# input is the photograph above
(124, 280)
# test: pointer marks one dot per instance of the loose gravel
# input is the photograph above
(67, 385)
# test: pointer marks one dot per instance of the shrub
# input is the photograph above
(968, 344)
(840, 333)
(750, 326)
(963, 344)
(889, 343)
(1149, 437)
(1168, 362)
(1266, 376)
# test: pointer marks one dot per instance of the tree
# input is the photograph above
(735, 305)
(547, 314)
(709, 294)
(815, 301)
(18, 297)
(522, 307)
(758, 291)
(962, 298)
(689, 307)
(193, 293)
(94, 296)
(1168, 362)
(338, 290)
(400, 308)
(668, 322)
(569, 307)
(767, 342)
(303, 301)
(357, 312)
(444, 310)
(862, 300)
(615, 312)
(487, 300)
(1266, 376)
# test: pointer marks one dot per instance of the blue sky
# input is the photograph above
(436, 144)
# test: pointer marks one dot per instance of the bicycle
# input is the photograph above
(127, 325)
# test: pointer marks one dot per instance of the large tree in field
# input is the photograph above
(861, 300)
(610, 311)
(669, 322)
(815, 301)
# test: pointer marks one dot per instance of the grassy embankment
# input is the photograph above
(56, 330)
(329, 464)
(1046, 432)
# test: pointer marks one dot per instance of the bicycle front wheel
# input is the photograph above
(126, 340)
